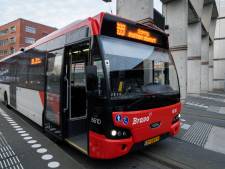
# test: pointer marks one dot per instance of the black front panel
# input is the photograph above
(145, 102)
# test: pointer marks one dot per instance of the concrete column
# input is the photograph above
(205, 64)
(194, 58)
(211, 52)
(176, 15)
(135, 10)
(219, 50)
(207, 15)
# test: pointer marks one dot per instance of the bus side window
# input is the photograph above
(22, 73)
(36, 76)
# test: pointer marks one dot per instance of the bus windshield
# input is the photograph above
(136, 69)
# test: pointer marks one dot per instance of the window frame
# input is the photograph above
(30, 29)
(28, 40)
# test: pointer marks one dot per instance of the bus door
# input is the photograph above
(77, 56)
(53, 116)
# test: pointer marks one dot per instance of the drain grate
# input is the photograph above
(198, 133)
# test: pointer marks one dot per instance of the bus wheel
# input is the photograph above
(6, 99)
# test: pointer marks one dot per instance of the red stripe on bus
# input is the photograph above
(42, 96)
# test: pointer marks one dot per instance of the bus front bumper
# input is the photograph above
(101, 147)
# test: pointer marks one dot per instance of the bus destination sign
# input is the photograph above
(128, 30)
(135, 33)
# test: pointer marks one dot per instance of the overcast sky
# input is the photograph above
(56, 13)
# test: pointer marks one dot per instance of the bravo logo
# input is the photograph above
(140, 120)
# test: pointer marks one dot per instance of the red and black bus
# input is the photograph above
(105, 85)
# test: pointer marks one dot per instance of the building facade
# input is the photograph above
(219, 51)
(192, 42)
(19, 34)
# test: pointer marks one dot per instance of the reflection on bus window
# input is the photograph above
(100, 76)
(78, 74)
(137, 69)
(53, 86)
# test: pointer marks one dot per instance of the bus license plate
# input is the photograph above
(152, 140)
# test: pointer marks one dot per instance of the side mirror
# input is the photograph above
(92, 79)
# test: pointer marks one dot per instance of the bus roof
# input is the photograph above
(93, 22)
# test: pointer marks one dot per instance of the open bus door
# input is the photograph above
(77, 56)
(53, 115)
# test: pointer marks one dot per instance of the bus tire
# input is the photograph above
(6, 99)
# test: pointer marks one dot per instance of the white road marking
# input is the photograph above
(19, 129)
(47, 157)
(25, 134)
(27, 138)
(185, 126)
(216, 94)
(53, 164)
(32, 141)
(209, 98)
(42, 150)
(36, 145)
(16, 127)
(196, 104)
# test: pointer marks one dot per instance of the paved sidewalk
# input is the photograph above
(204, 121)
(24, 147)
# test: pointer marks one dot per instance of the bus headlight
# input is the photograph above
(176, 119)
(119, 133)
(113, 133)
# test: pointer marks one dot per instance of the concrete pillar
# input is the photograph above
(198, 6)
(194, 58)
(219, 50)
(135, 9)
(176, 15)
(211, 52)
(207, 15)
(205, 64)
